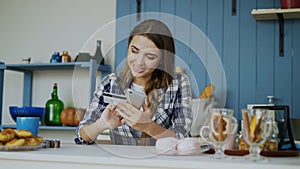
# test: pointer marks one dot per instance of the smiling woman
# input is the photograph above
(149, 69)
(143, 59)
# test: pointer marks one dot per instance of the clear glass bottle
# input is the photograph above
(54, 107)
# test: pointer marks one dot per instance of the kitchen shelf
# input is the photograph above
(44, 127)
(271, 14)
(27, 70)
(280, 15)
(52, 66)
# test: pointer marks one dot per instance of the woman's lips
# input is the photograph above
(138, 70)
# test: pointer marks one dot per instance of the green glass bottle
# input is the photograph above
(54, 107)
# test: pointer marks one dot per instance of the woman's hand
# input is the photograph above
(134, 117)
(110, 118)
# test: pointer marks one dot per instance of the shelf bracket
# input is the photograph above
(233, 5)
(27, 87)
(281, 34)
(1, 90)
(138, 10)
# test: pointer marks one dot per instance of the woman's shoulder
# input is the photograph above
(180, 80)
(110, 78)
(180, 76)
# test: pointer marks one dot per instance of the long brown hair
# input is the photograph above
(161, 36)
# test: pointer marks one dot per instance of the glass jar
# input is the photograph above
(271, 143)
(65, 57)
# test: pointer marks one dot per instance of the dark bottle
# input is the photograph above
(55, 58)
(54, 107)
(98, 54)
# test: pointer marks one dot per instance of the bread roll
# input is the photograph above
(207, 92)
(16, 142)
(23, 133)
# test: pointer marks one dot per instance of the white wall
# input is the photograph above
(36, 29)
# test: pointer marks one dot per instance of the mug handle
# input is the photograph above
(235, 125)
(203, 128)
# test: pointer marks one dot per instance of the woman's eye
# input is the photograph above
(133, 50)
(151, 57)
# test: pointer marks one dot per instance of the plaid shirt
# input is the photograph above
(173, 111)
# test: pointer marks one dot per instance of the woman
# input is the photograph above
(149, 68)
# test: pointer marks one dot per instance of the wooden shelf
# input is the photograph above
(280, 15)
(272, 14)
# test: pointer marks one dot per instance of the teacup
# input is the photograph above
(28, 123)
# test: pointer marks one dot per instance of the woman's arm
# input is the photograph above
(90, 132)
(182, 118)
(92, 125)
(108, 120)
(181, 111)
(141, 120)
(156, 131)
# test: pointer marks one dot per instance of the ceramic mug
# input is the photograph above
(28, 123)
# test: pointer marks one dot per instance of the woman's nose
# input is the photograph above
(139, 59)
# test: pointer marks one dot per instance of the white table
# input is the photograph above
(106, 156)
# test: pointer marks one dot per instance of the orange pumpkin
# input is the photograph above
(71, 116)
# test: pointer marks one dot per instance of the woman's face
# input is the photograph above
(143, 58)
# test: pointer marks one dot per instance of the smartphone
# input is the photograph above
(135, 98)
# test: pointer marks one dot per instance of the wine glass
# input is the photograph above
(221, 127)
(257, 128)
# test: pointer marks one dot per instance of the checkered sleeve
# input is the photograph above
(95, 109)
(182, 118)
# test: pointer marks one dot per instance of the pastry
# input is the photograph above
(5, 137)
(16, 142)
(219, 130)
(23, 133)
(253, 127)
(207, 92)
(31, 141)
(10, 137)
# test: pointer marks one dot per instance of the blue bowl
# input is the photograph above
(26, 112)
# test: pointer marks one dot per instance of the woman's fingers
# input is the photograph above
(123, 113)
(112, 107)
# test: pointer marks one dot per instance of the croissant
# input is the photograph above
(207, 92)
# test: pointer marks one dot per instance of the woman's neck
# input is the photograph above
(140, 81)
